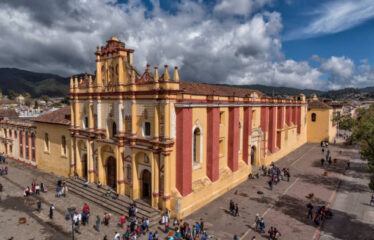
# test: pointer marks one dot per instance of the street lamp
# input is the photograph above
(72, 211)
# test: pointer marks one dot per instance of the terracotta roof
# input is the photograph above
(210, 89)
(318, 104)
(60, 116)
(10, 113)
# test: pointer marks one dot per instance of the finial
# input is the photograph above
(76, 81)
(166, 73)
(148, 70)
(71, 82)
(176, 75)
(156, 74)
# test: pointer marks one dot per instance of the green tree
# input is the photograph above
(36, 104)
(363, 134)
(12, 94)
(66, 100)
(45, 98)
(346, 122)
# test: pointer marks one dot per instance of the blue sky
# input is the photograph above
(319, 44)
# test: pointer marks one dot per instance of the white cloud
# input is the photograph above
(61, 37)
(339, 66)
(239, 7)
(335, 16)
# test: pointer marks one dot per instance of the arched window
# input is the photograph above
(63, 145)
(114, 129)
(314, 117)
(85, 122)
(196, 145)
(128, 172)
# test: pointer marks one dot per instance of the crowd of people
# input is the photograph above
(35, 189)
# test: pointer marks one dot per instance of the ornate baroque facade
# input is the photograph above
(175, 144)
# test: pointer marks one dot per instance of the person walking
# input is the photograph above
(97, 223)
(270, 184)
(372, 200)
(257, 221)
(51, 208)
(39, 205)
(236, 212)
(322, 162)
(117, 236)
(310, 211)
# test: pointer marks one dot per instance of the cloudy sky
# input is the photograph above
(320, 44)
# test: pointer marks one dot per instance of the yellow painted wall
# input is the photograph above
(53, 160)
(320, 130)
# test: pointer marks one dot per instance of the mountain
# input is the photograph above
(37, 84)
(269, 90)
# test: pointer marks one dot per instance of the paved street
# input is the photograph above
(353, 216)
(284, 207)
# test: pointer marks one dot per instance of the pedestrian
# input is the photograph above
(257, 221)
(372, 200)
(322, 162)
(277, 234)
(271, 233)
(310, 211)
(270, 184)
(348, 164)
(51, 208)
(117, 236)
(122, 220)
(236, 212)
(288, 175)
(232, 207)
(39, 204)
(105, 238)
(97, 223)
(236, 237)
(262, 225)
(253, 238)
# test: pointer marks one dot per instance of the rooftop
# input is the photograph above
(318, 104)
(195, 88)
(60, 116)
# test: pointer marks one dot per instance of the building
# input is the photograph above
(320, 121)
(53, 142)
(17, 140)
(175, 144)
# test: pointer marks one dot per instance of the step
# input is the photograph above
(108, 204)
(118, 206)
(126, 200)
(115, 203)
(100, 192)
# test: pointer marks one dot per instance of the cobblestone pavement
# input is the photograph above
(284, 207)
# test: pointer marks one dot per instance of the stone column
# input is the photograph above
(233, 141)
(90, 166)
(120, 173)
(156, 121)
(90, 117)
(167, 179)
(133, 118)
(155, 180)
(166, 119)
(135, 180)
(98, 111)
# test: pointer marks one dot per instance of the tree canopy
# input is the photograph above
(363, 134)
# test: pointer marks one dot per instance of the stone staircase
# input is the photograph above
(119, 205)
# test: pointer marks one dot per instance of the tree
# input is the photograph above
(363, 134)
(36, 104)
(346, 122)
(12, 94)
(66, 100)
(45, 98)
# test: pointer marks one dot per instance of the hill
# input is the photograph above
(269, 90)
(37, 84)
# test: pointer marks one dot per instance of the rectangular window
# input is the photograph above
(21, 144)
(10, 133)
(33, 146)
(27, 145)
(147, 129)
(221, 147)
(63, 145)
(221, 117)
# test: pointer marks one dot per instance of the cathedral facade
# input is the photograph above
(174, 144)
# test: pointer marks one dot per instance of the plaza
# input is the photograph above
(284, 207)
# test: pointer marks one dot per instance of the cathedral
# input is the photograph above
(172, 143)
(158, 139)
